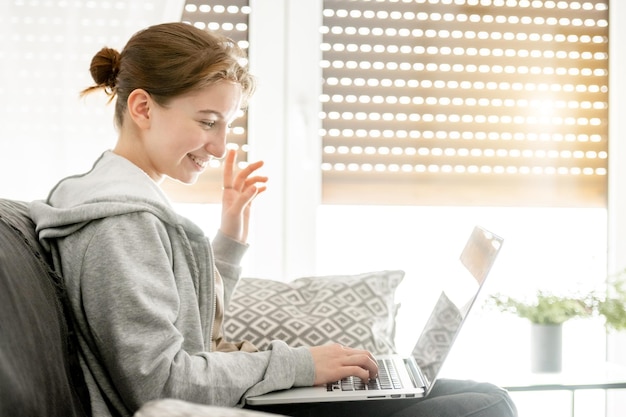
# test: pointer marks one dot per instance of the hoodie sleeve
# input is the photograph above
(146, 334)
(228, 254)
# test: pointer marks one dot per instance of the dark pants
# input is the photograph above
(448, 398)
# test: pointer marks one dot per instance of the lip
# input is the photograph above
(200, 163)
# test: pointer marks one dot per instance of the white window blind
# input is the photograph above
(48, 132)
(465, 102)
(229, 18)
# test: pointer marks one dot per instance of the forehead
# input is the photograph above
(222, 98)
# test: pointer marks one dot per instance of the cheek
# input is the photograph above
(181, 139)
(192, 139)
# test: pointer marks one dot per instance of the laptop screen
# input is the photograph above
(457, 297)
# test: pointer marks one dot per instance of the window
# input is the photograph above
(48, 132)
(498, 105)
(465, 102)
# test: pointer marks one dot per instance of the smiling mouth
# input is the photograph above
(201, 163)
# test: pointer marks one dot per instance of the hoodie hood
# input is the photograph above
(114, 186)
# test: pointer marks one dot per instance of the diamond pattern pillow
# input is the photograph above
(354, 310)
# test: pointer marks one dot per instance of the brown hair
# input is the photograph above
(168, 60)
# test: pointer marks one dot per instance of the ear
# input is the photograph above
(139, 104)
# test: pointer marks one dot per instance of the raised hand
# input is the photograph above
(240, 188)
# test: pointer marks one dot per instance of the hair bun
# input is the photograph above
(105, 66)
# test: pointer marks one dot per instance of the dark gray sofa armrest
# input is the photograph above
(35, 367)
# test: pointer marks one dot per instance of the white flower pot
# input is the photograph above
(546, 347)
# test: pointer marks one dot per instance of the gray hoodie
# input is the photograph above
(140, 281)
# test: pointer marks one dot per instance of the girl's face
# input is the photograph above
(190, 130)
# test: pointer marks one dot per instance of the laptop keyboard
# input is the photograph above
(387, 379)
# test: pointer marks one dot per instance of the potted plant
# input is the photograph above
(547, 312)
(611, 304)
(544, 308)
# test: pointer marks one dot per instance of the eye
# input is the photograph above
(208, 124)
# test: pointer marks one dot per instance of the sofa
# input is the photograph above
(39, 370)
(39, 373)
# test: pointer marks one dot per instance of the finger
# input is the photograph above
(353, 371)
(258, 190)
(229, 163)
(248, 170)
(248, 204)
(254, 180)
(363, 359)
(253, 166)
(354, 351)
(244, 198)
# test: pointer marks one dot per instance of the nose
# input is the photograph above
(216, 146)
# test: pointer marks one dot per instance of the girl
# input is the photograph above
(147, 289)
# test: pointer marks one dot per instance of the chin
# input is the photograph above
(186, 181)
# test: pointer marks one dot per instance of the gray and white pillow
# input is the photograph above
(354, 310)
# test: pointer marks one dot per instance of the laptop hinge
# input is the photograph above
(418, 379)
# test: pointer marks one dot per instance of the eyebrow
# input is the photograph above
(216, 113)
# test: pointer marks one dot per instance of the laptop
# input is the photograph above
(413, 376)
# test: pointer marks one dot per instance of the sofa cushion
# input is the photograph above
(354, 310)
(34, 363)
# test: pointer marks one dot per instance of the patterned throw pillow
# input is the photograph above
(354, 310)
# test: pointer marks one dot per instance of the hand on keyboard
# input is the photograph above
(336, 362)
(387, 379)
